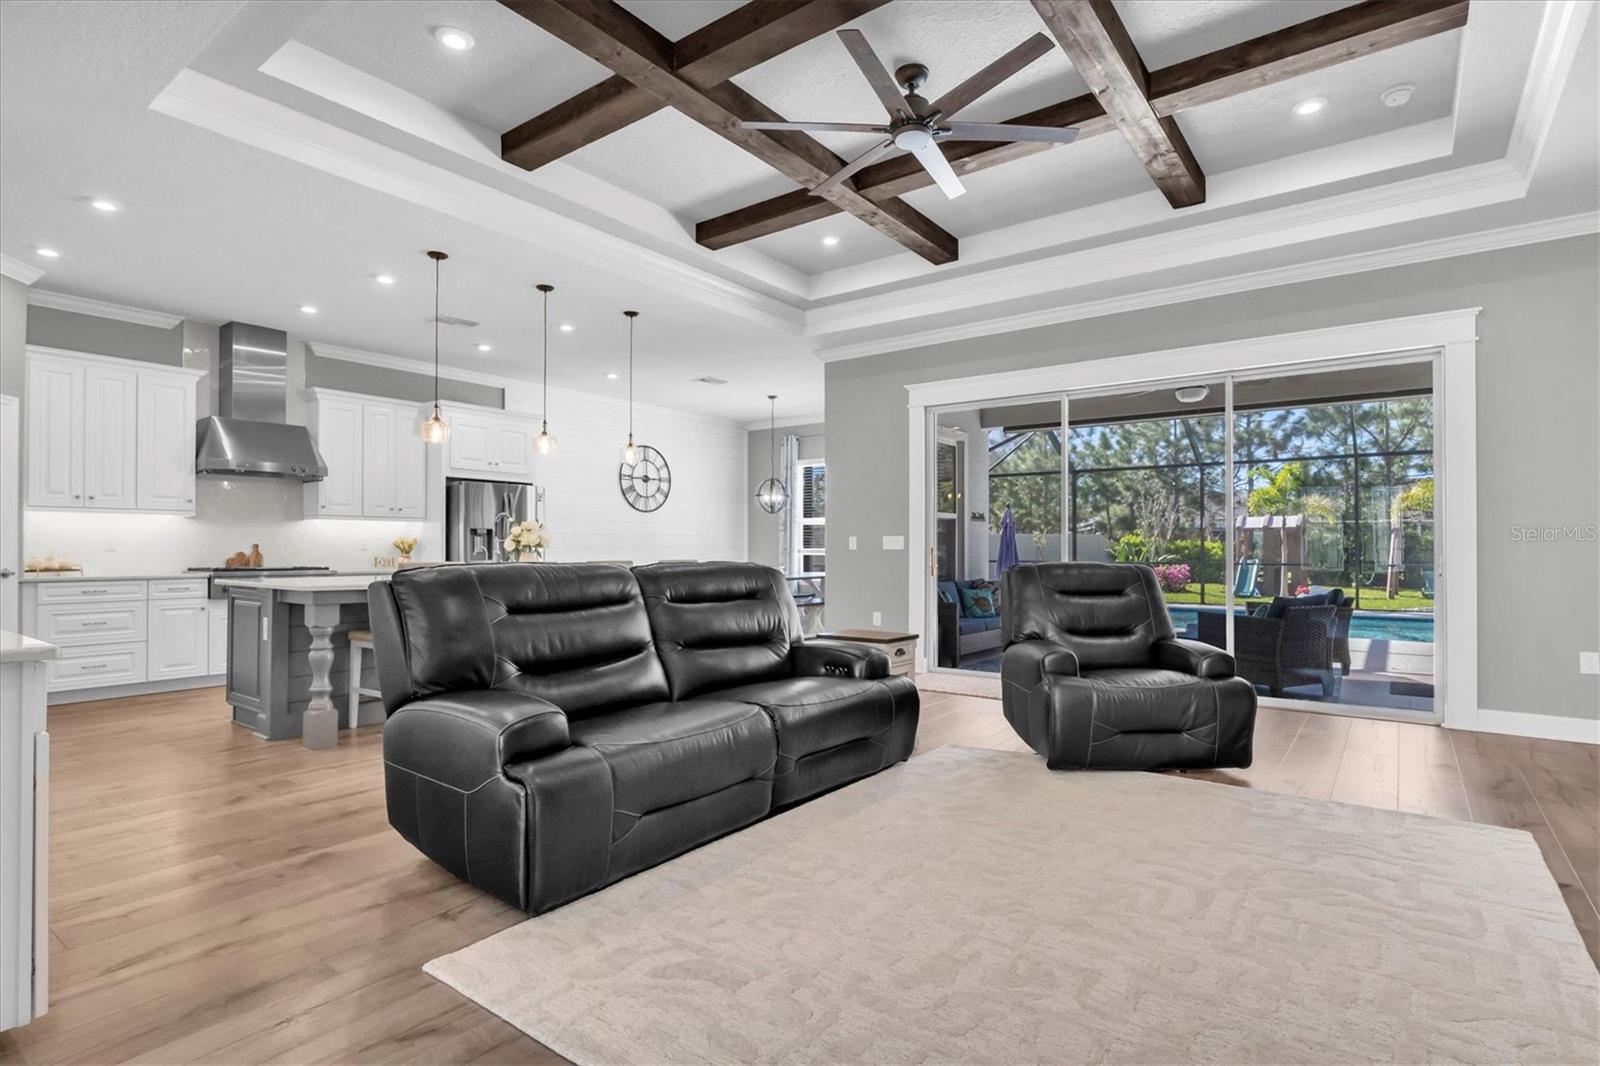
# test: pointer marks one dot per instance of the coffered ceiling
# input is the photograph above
(277, 153)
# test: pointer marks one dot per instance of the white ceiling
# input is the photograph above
(256, 180)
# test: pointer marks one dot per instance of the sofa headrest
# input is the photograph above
(1108, 614)
(719, 624)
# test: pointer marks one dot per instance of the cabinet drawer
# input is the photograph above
(103, 664)
(91, 591)
(91, 623)
(175, 588)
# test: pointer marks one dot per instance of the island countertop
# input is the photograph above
(337, 583)
(16, 648)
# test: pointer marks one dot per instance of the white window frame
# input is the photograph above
(796, 552)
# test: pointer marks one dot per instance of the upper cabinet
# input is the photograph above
(490, 445)
(110, 434)
(377, 461)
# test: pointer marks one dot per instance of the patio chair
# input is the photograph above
(1296, 648)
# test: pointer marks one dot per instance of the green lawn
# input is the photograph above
(1372, 599)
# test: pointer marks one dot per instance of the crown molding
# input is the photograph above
(1361, 262)
(83, 305)
(17, 270)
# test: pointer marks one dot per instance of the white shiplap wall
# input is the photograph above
(705, 515)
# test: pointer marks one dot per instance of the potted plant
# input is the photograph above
(527, 541)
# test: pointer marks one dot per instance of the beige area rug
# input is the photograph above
(960, 684)
(970, 906)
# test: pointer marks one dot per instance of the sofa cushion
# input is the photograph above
(948, 593)
(979, 602)
(719, 624)
(662, 754)
(818, 715)
(977, 625)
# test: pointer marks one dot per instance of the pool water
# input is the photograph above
(1365, 625)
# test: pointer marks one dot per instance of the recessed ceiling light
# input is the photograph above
(454, 39)
(384, 279)
(485, 348)
(104, 205)
(567, 327)
(1397, 95)
(307, 309)
(49, 253)
(829, 241)
(1311, 106)
(611, 375)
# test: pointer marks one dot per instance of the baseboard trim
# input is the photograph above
(1539, 726)
(138, 688)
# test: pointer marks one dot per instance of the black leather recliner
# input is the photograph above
(1094, 678)
(556, 727)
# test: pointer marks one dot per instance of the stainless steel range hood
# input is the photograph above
(248, 436)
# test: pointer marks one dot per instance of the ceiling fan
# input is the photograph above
(917, 126)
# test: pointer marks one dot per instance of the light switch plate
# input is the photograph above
(877, 618)
(894, 544)
(852, 543)
(1589, 662)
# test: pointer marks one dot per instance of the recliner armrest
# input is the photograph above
(1192, 657)
(463, 738)
(828, 658)
(1029, 662)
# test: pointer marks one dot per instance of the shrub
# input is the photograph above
(1173, 577)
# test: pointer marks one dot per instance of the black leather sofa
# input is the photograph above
(1093, 676)
(553, 728)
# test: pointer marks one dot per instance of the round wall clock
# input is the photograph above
(647, 482)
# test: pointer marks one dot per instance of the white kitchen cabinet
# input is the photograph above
(217, 637)
(166, 442)
(489, 444)
(336, 423)
(110, 439)
(54, 411)
(179, 639)
(377, 459)
(411, 465)
(109, 434)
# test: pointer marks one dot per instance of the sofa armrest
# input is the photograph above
(829, 658)
(463, 738)
(1192, 657)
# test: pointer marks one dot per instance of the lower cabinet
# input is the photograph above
(179, 639)
(98, 665)
(217, 636)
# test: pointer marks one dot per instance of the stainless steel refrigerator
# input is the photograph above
(477, 515)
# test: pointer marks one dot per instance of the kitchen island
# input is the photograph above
(289, 653)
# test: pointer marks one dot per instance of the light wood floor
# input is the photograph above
(218, 898)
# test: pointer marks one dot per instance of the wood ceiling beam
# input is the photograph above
(1299, 49)
(609, 34)
(1094, 38)
(739, 40)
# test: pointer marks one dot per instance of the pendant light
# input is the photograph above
(772, 494)
(544, 443)
(435, 430)
(630, 453)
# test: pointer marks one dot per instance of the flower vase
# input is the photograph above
(531, 555)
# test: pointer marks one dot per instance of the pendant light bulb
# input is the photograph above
(772, 495)
(545, 443)
(630, 451)
(435, 430)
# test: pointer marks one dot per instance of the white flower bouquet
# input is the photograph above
(527, 540)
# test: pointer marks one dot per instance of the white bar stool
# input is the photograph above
(360, 641)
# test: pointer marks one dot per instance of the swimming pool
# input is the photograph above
(1364, 625)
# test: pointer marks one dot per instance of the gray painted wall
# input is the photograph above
(13, 334)
(353, 377)
(52, 328)
(763, 527)
(1538, 442)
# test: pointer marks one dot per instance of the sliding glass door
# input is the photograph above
(1289, 517)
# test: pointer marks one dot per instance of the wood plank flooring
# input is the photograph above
(217, 898)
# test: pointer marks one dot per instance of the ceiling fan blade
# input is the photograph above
(993, 74)
(1005, 131)
(871, 155)
(934, 162)
(877, 75)
(818, 127)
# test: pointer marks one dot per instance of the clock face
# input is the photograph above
(647, 483)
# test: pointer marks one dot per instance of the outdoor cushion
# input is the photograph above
(948, 593)
(977, 625)
(978, 602)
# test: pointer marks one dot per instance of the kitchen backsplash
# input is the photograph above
(230, 515)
